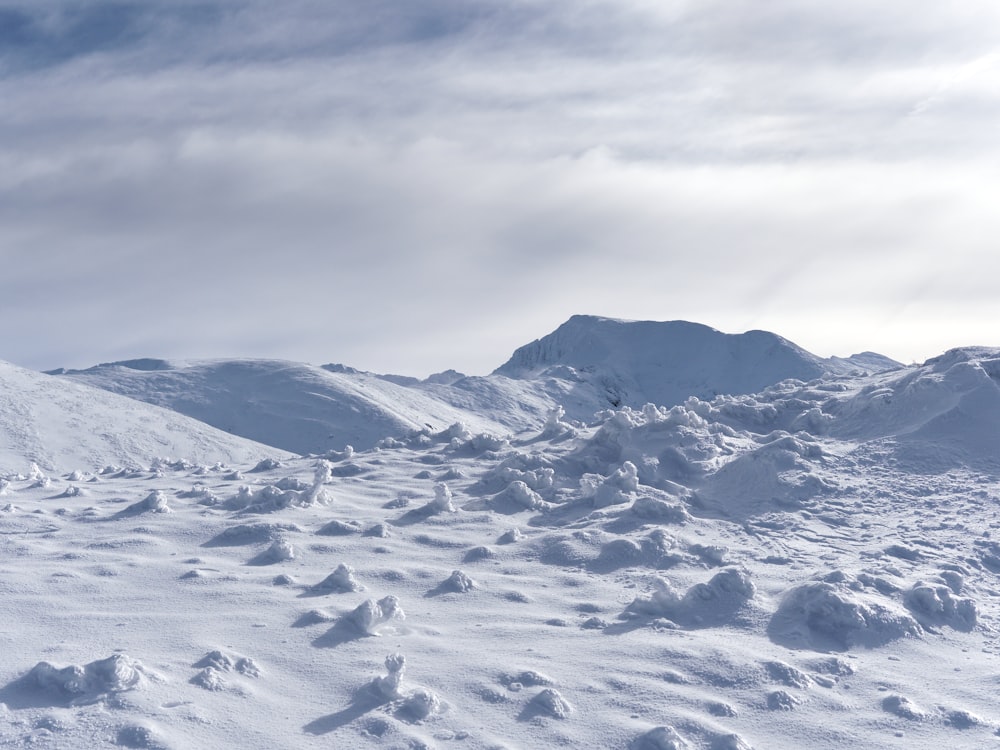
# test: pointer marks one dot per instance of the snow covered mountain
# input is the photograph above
(632, 363)
(62, 425)
(586, 365)
(808, 565)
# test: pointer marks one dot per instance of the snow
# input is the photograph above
(297, 407)
(812, 563)
(55, 423)
(586, 365)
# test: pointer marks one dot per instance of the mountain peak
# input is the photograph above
(664, 362)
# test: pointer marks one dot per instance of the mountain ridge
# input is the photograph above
(587, 364)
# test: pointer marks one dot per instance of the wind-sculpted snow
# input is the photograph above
(811, 565)
(839, 613)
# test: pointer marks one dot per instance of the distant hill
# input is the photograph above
(298, 407)
(64, 425)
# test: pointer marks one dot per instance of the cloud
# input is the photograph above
(380, 183)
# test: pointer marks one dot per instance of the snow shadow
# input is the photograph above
(25, 693)
(343, 631)
(417, 515)
(365, 699)
(249, 534)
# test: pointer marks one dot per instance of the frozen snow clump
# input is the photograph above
(371, 614)
(340, 528)
(417, 705)
(486, 441)
(551, 702)
(91, 682)
(420, 704)
(279, 551)
(652, 509)
(612, 490)
(781, 700)
(703, 604)
(267, 464)
(937, 605)
(457, 432)
(511, 536)
(519, 495)
(317, 494)
(388, 686)
(526, 678)
(342, 580)
(730, 742)
(442, 501)
(266, 499)
(554, 424)
(459, 582)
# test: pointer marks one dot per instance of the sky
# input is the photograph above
(409, 187)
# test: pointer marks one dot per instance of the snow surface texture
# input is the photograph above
(810, 565)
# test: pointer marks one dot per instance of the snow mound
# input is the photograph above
(140, 737)
(341, 580)
(251, 533)
(279, 551)
(838, 613)
(458, 582)
(154, 502)
(661, 738)
(935, 605)
(903, 707)
(615, 489)
(516, 497)
(551, 703)
(89, 683)
(704, 604)
(271, 498)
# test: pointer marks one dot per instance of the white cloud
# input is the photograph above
(303, 181)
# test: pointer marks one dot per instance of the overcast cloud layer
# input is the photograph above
(406, 187)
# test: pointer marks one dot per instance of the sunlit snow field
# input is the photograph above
(807, 563)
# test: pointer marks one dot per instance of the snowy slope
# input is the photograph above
(779, 569)
(297, 407)
(65, 426)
